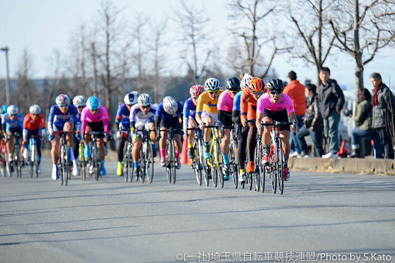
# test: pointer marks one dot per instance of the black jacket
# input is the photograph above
(330, 98)
(313, 115)
(381, 112)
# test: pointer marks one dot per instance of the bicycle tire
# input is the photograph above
(150, 163)
(203, 163)
(66, 166)
(95, 161)
(174, 161)
(234, 165)
(35, 160)
(220, 163)
(168, 160)
(280, 159)
(273, 170)
(258, 165)
(143, 163)
(82, 161)
(18, 161)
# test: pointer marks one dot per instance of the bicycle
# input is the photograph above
(233, 155)
(94, 160)
(17, 162)
(146, 160)
(171, 160)
(127, 161)
(215, 162)
(82, 162)
(198, 162)
(33, 156)
(63, 165)
(275, 168)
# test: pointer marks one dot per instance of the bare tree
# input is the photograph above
(250, 18)
(362, 35)
(193, 24)
(315, 40)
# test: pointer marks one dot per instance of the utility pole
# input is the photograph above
(7, 84)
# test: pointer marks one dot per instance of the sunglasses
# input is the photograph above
(257, 93)
(12, 115)
(213, 92)
(81, 107)
(146, 107)
(234, 91)
(275, 92)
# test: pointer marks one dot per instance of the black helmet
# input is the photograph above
(233, 84)
(275, 84)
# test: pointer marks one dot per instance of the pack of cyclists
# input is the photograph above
(241, 107)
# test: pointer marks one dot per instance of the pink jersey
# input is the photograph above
(225, 102)
(265, 103)
(87, 116)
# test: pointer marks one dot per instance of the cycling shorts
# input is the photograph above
(281, 116)
(213, 116)
(97, 127)
(175, 125)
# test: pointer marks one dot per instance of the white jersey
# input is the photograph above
(140, 119)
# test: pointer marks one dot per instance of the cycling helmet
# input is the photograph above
(93, 103)
(131, 98)
(245, 82)
(256, 85)
(275, 84)
(196, 90)
(35, 109)
(170, 105)
(62, 100)
(233, 84)
(12, 110)
(3, 109)
(212, 84)
(79, 101)
(144, 100)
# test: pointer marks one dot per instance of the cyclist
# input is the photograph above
(248, 104)
(206, 110)
(122, 123)
(225, 106)
(62, 117)
(189, 117)
(142, 115)
(3, 110)
(242, 133)
(31, 127)
(276, 106)
(79, 102)
(12, 123)
(94, 118)
(169, 115)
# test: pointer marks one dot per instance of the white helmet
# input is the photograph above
(35, 109)
(144, 100)
(12, 110)
(170, 105)
(79, 101)
(131, 98)
(212, 84)
(245, 82)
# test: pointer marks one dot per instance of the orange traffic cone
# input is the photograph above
(184, 153)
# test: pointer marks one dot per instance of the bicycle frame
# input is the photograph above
(33, 158)
(216, 162)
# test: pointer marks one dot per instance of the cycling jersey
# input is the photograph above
(87, 117)
(57, 119)
(284, 103)
(30, 124)
(161, 113)
(139, 118)
(236, 101)
(123, 114)
(206, 103)
(225, 101)
(189, 112)
(9, 124)
(247, 106)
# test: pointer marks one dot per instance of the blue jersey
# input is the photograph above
(236, 101)
(57, 119)
(189, 111)
(161, 113)
(17, 122)
(122, 116)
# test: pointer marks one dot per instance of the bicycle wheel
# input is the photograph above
(82, 161)
(280, 166)
(273, 168)
(234, 165)
(219, 162)
(95, 161)
(169, 157)
(66, 166)
(149, 155)
(257, 180)
(143, 162)
(18, 161)
(35, 160)
(202, 161)
(174, 161)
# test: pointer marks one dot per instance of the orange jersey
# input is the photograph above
(247, 106)
(30, 124)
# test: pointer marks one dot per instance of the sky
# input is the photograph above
(40, 26)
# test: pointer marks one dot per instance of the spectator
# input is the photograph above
(313, 123)
(331, 101)
(363, 118)
(382, 114)
(295, 90)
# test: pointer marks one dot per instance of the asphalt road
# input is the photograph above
(320, 217)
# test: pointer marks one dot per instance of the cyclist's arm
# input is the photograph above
(50, 120)
(292, 116)
(243, 109)
(83, 122)
(186, 115)
(25, 130)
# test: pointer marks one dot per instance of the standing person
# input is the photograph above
(363, 118)
(296, 91)
(122, 123)
(313, 123)
(331, 102)
(383, 113)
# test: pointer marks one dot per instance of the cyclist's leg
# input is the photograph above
(251, 143)
(150, 127)
(285, 135)
(87, 139)
(120, 150)
(68, 126)
(162, 142)
(242, 149)
(25, 143)
(208, 120)
(191, 137)
(10, 144)
(266, 139)
(100, 146)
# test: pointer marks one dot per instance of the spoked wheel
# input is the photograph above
(280, 166)
(263, 177)
(220, 163)
(149, 167)
(250, 180)
(18, 161)
(143, 162)
(234, 166)
(169, 161)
